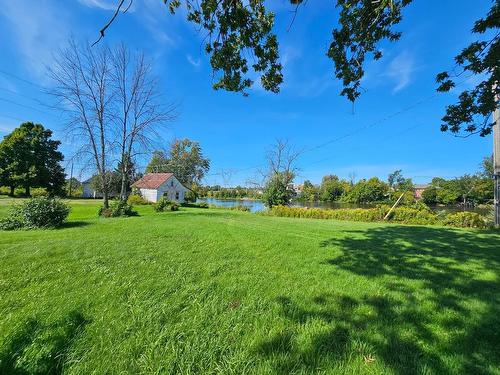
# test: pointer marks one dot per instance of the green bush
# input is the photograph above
(117, 208)
(466, 220)
(40, 212)
(415, 214)
(136, 199)
(165, 204)
(356, 214)
(39, 192)
(412, 215)
(4, 190)
(190, 196)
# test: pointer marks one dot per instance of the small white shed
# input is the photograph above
(88, 191)
(153, 186)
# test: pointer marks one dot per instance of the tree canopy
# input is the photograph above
(29, 157)
(238, 31)
(184, 159)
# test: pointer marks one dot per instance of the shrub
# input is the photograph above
(465, 220)
(356, 214)
(190, 196)
(4, 190)
(136, 199)
(166, 205)
(412, 215)
(39, 192)
(415, 214)
(41, 212)
(407, 215)
(117, 208)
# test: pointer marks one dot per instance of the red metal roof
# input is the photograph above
(152, 180)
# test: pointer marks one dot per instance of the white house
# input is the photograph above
(88, 191)
(153, 186)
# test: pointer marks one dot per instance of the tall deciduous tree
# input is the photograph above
(332, 188)
(83, 90)
(29, 157)
(281, 170)
(112, 105)
(185, 159)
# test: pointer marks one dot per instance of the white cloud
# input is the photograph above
(159, 22)
(194, 62)
(103, 4)
(38, 35)
(401, 70)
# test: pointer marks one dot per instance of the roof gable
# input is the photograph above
(152, 180)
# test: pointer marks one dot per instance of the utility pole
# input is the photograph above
(496, 160)
(71, 180)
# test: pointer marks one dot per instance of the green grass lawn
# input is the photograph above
(215, 291)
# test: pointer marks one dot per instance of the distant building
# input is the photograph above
(88, 191)
(297, 188)
(418, 189)
(154, 186)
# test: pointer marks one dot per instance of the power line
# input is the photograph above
(21, 79)
(26, 106)
(12, 117)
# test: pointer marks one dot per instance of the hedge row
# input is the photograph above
(403, 215)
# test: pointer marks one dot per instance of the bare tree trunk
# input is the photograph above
(81, 77)
(112, 106)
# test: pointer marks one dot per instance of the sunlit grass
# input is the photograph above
(214, 291)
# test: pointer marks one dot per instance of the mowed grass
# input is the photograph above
(214, 291)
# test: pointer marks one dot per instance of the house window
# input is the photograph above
(172, 183)
(176, 195)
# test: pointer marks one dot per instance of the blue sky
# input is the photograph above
(394, 125)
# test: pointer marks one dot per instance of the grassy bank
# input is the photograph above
(216, 291)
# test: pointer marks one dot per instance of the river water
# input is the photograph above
(256, 205)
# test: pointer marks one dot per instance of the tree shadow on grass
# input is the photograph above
(41, 348)
(457, 271)
(437, 311)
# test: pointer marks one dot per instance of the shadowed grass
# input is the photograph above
(214, 291)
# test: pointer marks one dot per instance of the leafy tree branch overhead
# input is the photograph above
(239, 37)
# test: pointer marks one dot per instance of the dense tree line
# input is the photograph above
(334, 189)
(237, 192)
(467, 189)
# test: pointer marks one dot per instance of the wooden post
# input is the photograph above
(496, 162)
(71, 180)
(394, 206)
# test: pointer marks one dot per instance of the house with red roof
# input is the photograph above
(153, 186)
